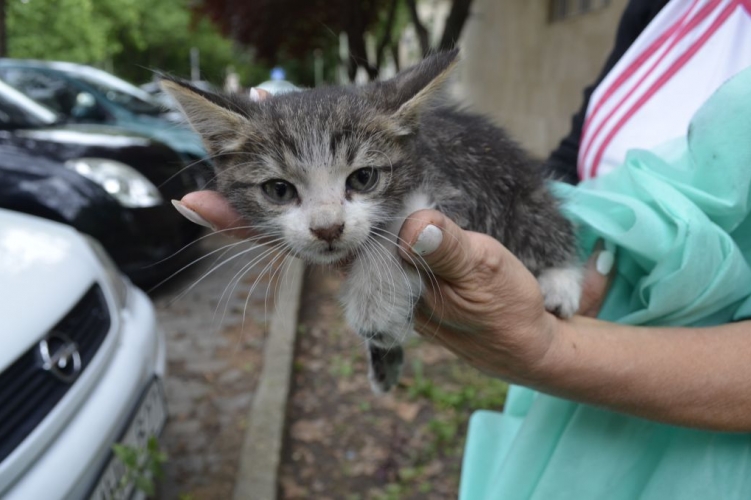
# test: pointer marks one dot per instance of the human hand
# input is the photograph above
(484, 305)
(212, 210)
(598, 276)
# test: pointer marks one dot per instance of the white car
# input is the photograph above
(81, 364)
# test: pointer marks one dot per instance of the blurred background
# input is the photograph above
(526, 61)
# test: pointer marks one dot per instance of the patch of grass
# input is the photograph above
(341, 367)
(392, 491)
(425, 487)
(409, 473)
(476, 391)
(470, 391)
(143, 466)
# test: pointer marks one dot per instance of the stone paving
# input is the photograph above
(214, 353)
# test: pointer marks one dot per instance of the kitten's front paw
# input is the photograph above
(561, 289)
(385, 367)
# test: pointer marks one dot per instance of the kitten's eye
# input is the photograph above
(279, 191)
(363, 180)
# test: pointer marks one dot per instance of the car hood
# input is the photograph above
(45, 268)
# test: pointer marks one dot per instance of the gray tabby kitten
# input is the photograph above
(337, 170)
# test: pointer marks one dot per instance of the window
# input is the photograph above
(50, 91)
(565, 9)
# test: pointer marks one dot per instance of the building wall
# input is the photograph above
(529, 73)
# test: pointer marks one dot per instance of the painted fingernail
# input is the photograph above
(191, 215)
(255, 96)
(429, 240)
(605, 261)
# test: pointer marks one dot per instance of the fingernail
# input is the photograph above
(604, 263)
(255, 96)
(191, 215)
(428, 241)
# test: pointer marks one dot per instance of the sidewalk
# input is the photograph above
(215, 358)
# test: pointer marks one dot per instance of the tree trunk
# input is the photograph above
(386, 40)
(454, 23)
(358, 55)
(422, 32)
(3, 31)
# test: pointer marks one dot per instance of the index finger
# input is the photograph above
(217, 211)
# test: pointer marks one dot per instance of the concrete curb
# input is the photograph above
(261, 453)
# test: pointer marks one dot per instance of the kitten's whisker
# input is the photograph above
(397, 264)
(391, 164)
(198, 240)
(193, 262)
(278, 249)
(372, 246)
(196, 162)
(255, 284)
(420, 263)
(211, 271)
(245, 268)
(286, 261)
(412, 296)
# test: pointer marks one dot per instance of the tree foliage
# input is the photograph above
(293, 29)
(132, 37)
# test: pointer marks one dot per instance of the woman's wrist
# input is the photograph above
(545, 368)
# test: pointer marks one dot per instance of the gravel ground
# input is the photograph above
(214, 353)
(343, 442)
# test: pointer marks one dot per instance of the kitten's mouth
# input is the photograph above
(339, 256)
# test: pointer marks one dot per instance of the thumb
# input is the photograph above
(598, 276)
(429, 237)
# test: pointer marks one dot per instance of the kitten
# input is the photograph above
(336, 171)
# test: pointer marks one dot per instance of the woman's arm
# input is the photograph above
(696, 377)
(487, 308)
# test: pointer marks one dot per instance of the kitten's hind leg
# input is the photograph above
(385, 367)
(561, 288)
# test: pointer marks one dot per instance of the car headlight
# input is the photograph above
(115, 279)
(122, 182)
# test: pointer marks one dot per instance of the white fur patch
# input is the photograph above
(380, 291)
(561, 287)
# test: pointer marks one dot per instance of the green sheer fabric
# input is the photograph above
(679, 217)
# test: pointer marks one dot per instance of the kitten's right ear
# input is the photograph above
(222, 126)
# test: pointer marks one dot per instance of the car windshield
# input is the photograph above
(18, 111)
(116, 90)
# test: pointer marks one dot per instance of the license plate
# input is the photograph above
(148, 421)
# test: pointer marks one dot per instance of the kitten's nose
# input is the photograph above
(328, 234)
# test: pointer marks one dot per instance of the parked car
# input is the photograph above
(167, 102)
(81, 366)
(89, 95)
(111, 184)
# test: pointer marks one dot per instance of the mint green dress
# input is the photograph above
(679, 217)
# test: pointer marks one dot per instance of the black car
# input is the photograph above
(111, 184)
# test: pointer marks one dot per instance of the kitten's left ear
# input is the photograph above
(220, 122)
(410, 91)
